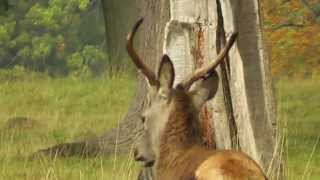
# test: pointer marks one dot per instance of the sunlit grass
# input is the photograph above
(57, 111)
(299, 110)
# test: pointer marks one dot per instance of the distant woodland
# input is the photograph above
(63, 38)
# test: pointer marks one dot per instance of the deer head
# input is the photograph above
(185, 99)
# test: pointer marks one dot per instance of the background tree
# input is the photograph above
(54, 37)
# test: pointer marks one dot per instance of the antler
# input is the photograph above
(136, 59)
(201, 72)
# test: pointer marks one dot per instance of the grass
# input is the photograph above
(299, 111)
(66, 109)
(61, 110)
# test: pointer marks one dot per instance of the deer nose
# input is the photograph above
(149, 163)
(137, 156)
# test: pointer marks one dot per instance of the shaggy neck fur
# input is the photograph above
(181, 131)
(182, 157)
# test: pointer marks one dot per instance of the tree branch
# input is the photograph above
(287, 25)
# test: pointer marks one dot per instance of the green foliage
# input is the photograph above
(4, 6)
(90, 58)
(47, 36)
(19, 73)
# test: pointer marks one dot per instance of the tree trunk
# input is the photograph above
(242, 115)
(117, 16)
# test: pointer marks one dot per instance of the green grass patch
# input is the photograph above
(40, 112)
(299, 111)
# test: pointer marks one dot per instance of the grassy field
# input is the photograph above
(64, 110)
(299, 110)
(61, 110)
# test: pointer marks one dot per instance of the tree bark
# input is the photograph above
(118, 16)
(251, 86)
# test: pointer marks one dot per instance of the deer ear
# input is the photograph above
(166, 73)
(205, 89)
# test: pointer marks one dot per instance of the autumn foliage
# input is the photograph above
(292, 33)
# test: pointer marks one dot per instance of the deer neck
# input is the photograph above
(181, 132)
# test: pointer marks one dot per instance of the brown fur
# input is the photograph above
(182, 157)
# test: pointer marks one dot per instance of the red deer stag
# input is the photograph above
(170, 142)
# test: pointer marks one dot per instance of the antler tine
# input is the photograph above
(201, 72)
(136, 59)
